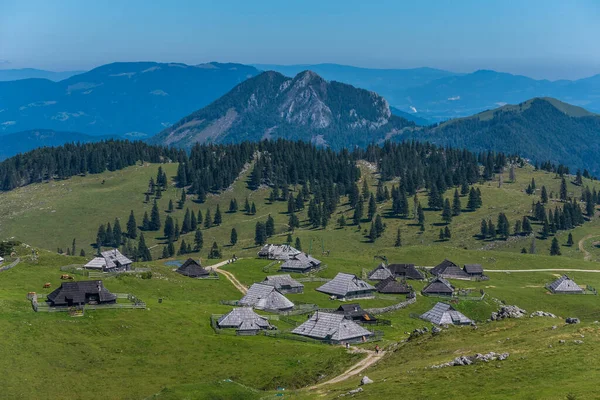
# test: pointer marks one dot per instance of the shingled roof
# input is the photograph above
(333, 327)
(300, 263)
(108, 260)
(406, 271)
(355, 312)
(284, 281)
(192, 269)
(243, 319)
(445, 314)
(438, 286)
(345, 285)
(380, 273)
(448, 269)
(278, 251)
(74, 293)
(564, 284)
(265, 297)
(473, 269)
(391, 285)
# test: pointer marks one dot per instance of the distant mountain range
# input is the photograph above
(119, 98)
(438, 95)
(305, 107)
(543, 129)
(32, 73)
(22, 142)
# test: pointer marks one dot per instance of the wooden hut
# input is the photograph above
(284, 283)
(438, 286)
(565, 285)
(347, 286)
(192, 269)
(332, 328)
(80, 293)
(445, 314)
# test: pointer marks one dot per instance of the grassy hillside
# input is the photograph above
(50, 215)
(170, 351)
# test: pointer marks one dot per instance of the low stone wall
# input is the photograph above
(392, 307)
(9, 266)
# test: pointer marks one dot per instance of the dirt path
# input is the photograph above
(586, 254)
(354, 370)
(230, 277)
(542, 270)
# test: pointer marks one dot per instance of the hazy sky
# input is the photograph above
(543, 39)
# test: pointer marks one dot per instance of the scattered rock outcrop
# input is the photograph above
(468, 360)
(572, 320)
(508, 312)
(541, 314)
(365, 380)
(352, 392)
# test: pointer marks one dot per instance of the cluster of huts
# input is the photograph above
(293, 259)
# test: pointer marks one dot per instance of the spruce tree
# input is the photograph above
(435, 199)
(253, 209)
(169, 228)
(233, 237)
(472, 202)
(379, 227)
(447, 233)
(441, 236)
(398, 241)
(117, 234)
(298, 244)
(342, 221)
(420, 216)
(131, 226)
(73, 247)
(182, 199)
(198, 240)
(143, 251)
(171, 248)
(214, 251)
(289, 238)
(483, 231)
(358, 211)
(193, 222)
(563, 190)
(372, 209)
(165, 252)
(260, 234)
(82, 253)
(527, 229)
(373, 232)
(544, 195)
(183, 247)
(555, 248)
(456, 205)
(186, 225)
(208, 219)
(270, 226)
(218, 218)
(447, 212)
(247, 206)
(109, 240)
(170, 208)
(155, 217)
(570, 240)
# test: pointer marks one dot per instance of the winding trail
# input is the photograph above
(587, 256)
(355, 369)
(230, 277)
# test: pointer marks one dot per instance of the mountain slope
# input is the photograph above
(541, 128)
(306, 107)
(411, 117)
(389, 83)
(457, 96)
(30, 73)
(22, 142)
(116, 98)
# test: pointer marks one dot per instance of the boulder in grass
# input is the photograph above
(572, 320)
(365, 380)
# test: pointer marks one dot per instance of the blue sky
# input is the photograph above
(543, 39)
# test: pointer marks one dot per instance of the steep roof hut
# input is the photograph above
(300, 263)
(565, 285)
(278, 252)
(347, 286)
(448, 269)
(245, 320)
(355, 312)
(408, 271)
(284, 283)
(392, 286)
(334, 328)
(380, 273)
(473, 269)
(445, 314)
(438, 286)
(79, 293)
(110, 260)
(265, 297)
(192, 269)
